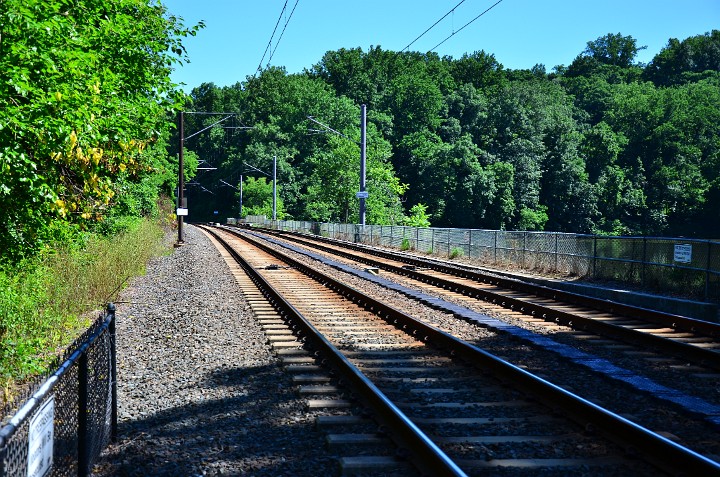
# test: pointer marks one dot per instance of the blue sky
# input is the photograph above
(520, 33)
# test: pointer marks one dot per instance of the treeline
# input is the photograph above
(605, 145)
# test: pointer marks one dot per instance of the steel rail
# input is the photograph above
(699, 355)
(678, 322)
(422, 451)
(655, 449)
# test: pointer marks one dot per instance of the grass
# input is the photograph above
(456, 252)
(405, 245)
(46, 303)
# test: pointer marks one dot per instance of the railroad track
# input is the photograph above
(694, 389)
(694, 340)
(449, 407)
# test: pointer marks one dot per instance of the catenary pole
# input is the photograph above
(181, 176)
(274, 188)
(363, 120)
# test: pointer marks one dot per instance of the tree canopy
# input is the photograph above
(84, 98)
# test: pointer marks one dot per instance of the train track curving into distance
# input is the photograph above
(448, 407)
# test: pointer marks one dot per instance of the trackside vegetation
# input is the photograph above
(86, 108)
(44, 302)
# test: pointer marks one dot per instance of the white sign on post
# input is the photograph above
(683, 253)
(362, 194)
(41, 437)
(181, 211)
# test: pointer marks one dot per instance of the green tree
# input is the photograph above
(693, 58)
(418, 216)
(258, 198)
(479, 69)
(613, 49)
(84, 98)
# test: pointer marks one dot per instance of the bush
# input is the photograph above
(456, 252)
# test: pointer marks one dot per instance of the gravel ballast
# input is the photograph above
(200, 392)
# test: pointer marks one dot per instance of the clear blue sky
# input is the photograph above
(520, 33)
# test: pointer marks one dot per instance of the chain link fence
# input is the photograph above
(69, 417)
(688, 267)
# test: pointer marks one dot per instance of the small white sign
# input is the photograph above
(181, 211)
(41, 437)
(683, 253)
(362, 195)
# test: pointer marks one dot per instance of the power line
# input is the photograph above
(468, 23)
(272, 36)
(283, 31)
(433, 26)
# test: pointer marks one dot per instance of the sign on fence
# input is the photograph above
(40, 440)
(683, 253)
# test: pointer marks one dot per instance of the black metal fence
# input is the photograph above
(690, 267)
(70, 417)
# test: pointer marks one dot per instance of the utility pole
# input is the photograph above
(363, 120)
(241, 184)
(181, 178)
(362, 194)
(274, 188)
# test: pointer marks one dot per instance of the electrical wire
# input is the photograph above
(433, 26)
(259, 68)
(468, 23)
(283, 31)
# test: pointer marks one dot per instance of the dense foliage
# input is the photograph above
(85, 95)
(603, 145)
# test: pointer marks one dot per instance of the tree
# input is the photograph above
(610, 56)
(84, 99)
(479, 69)
(691, 59)
(613, 49)
(418, 217)
(258, 198)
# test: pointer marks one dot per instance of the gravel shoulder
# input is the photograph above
(200, 392)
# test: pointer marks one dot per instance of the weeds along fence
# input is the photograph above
(654, 263)
(69, 417)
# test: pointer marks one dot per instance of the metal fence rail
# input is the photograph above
(654, 263)
(71, 417)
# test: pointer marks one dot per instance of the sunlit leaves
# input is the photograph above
(84, 96)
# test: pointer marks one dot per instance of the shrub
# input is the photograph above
(456, 252)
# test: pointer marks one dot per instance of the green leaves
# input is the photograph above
(83, 101)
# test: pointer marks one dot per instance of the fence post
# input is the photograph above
(470, 244)
(707, 271)
(417, 238)
(594, 269)
(644, 259)
(113, 374)
(495, 248)
(524, 248)
(83, 434)
(557, 251)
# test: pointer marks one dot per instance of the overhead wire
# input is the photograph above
(468, 23)
(259, 68)
(433, 26)
(283, 31)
